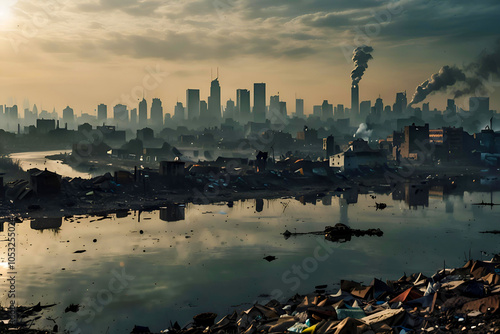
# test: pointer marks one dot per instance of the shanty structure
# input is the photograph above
(45, 182)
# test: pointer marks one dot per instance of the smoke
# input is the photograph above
(363, 132)
(446, 77)
(360, 57)
(472, 78)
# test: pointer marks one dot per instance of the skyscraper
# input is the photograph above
(326, 110)
(133, 116)
(274, 105)
(259, 102)
(340, 111)
(299, 108)
(230, 107)
(143, 112)
(379, 106)
(203, 109)
(283, 110)
(120, 114)
(102, 112)
(179, 112)
(317, 111)
(364, 110)
(401, 103)
(214, 104)
(157, 113)
(193, 103)
(243, 105)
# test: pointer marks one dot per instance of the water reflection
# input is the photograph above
(173, 212)
(46, 223)
(209, 257)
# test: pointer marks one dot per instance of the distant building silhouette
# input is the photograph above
(259, 102)
(193, 103)
(274, 105)
(133, 116)
(299, 108)
(203, 109)
(157, 113)
(120, 114)
(401, 103)
(326, 110)
(143, 112)
(214, 104)
(355, 101)
(102, 112)
(243, 105)
(283, 110)
(179, 112)
(68, 115)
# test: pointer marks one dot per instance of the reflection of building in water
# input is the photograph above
(327, 200)
(45, 223)
(173, 212)
(307, 199)
(351, 195)
(449, 206)
(259, 205)
(122, 213)
(414, 195)
(344, 218)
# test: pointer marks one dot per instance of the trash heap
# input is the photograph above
(462, 300)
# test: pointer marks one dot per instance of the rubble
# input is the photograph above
(339, 233)
(461, 300)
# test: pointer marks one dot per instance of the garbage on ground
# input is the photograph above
(465, 300)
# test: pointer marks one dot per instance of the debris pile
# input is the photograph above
(339, 233)
(463, 300)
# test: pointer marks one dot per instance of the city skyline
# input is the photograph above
(301, 49)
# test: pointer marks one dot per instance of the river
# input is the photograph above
(30, 160)
(151, 268)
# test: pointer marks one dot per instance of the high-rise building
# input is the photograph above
(283, 110)
(133, 116)
(401, 103)
(143, 112)
(326, 110)
(193, 103)
(259, 102)
(317, 110)
(425, 107)
(157, 113)
(179, 112)
(364, 109)
(379, 106)
(230, 107)
(203, 110)
(120, 114)
(214, 104)
(274, 105)
(340, 111)
(299, 108)
(102, 113)
(450, 106)
(68, 115)
(355, 101)
(243, 105)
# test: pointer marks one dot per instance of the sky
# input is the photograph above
(85, 52)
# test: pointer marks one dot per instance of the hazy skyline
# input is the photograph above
(82, 52)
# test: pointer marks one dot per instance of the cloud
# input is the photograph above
(131, 7)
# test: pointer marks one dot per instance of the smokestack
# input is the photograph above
(354, 100)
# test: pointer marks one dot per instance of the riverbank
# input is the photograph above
(104, 194)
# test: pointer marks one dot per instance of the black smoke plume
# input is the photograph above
(473, 78)
(360, 57)
(446, 77)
